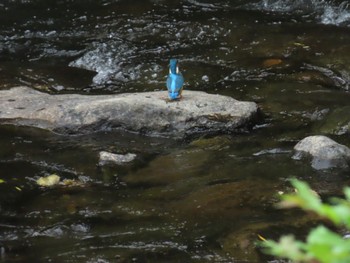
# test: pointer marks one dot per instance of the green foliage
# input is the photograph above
(321, 245)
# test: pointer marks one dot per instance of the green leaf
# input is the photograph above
(287, 247)
(2, 181)
(322, 245)
(322, 235)
(338, 213)
(327, 246)
(331, 213)
(305, 197)
(343, 213)
(347, 193)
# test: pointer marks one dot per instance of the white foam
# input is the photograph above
(326, 12)
(336, 15)
(109, 61)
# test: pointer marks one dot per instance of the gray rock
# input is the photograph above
(120, 159)
(325, 152)
(148, 113)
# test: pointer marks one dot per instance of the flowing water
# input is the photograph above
(200, 200)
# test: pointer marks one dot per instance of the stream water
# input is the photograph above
(200, 200)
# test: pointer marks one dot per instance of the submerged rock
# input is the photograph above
(107, 157)
(337, 122)
(337, 76)
(148, 113)
(325, 152)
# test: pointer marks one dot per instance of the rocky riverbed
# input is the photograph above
(67, 193)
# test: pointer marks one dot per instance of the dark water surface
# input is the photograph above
(203, 200)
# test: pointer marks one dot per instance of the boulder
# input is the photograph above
(149, 113)
(325, 152)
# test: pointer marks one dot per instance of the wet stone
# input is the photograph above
(149, 113)
(112, 158)
(325, 152)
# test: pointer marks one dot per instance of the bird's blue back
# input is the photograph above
(175, 80)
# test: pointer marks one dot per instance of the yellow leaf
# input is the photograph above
(18, 189)
(301, 45)
(261, 238)
(2, 181)
(50, 180)
(70, 182)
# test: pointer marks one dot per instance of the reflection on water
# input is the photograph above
(195, 201)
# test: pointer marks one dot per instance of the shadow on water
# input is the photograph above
(201, 200)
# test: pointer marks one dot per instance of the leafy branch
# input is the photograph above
(321, 245)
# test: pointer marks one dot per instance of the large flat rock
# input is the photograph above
(149, 112)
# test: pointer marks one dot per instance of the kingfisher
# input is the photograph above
(175, 80)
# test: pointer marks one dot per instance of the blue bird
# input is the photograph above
(174, 81)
